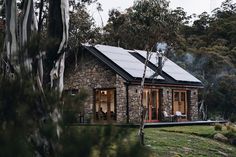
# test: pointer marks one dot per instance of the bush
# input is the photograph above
(218, 127)
(232, 118)
(106, 141)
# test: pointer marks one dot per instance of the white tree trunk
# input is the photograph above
(142, 110)
(11, 39)
(57, 73)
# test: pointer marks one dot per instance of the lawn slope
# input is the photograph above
(186, 141)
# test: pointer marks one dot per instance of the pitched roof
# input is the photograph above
(130, 65)
(125, 60)
(170, 68)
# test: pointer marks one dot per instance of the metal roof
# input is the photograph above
(126, 61)
(170, 68)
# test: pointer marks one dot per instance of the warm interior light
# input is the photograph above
(104, 92)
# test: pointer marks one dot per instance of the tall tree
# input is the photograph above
(58, 30)
(23, 60)
(210, 55)
(141, 27)
(146, 22)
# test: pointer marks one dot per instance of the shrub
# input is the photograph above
(218, 127)
(228, 125)
(232, 118)
(232, 129)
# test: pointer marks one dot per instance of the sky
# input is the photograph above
(190, 6)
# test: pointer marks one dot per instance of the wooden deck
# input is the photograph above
(166, 124)
(155, 125)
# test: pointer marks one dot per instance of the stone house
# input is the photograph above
(112, 77)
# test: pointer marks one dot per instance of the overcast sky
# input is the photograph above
(190, 6)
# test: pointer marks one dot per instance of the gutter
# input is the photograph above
(164, 84)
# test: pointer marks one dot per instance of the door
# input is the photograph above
(180, 101)
(151, 104)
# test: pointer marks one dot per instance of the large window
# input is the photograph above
(105, 105)
(180, 101)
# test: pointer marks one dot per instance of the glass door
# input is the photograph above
(151, 104)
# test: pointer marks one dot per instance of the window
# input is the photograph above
(179, 101)
(176, 96)
(105, 105)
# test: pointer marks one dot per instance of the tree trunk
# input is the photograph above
(58, 31)
(20, 57)
(27, 28)
(11, 56)
(142, 110)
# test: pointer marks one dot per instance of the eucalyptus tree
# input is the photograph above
(141, 27)
(23, 60)
(210, 54)
(82, 28)
(144, 24)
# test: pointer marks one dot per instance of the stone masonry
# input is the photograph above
(92, 74)
(194, 104)
(121, 100)
(134, 106)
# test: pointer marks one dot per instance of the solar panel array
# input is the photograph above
(126, 61)
(172, 69)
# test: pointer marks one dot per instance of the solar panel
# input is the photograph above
(125, 60)
(172, 69)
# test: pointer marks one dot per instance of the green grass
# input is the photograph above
(181, 144)
(204, 131)
(108, 141)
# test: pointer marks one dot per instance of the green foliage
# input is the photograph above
(218, 127)
(222, 98)
(17, 118)
(82, 28)
(230, 127)
(13, 142)
(232, 118)
(210, 55)
(17, 101)
(144, 24)
(74, 106)
(102, 141)
(23, 114)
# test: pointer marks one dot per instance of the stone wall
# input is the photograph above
(134, 106)
(121, 101)
(167, 99)
(193, 104)
(90, 74)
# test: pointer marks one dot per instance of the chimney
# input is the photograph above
(160, 48)
(160, 63)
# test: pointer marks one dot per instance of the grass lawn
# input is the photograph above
(187, 141)
(201, 130)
